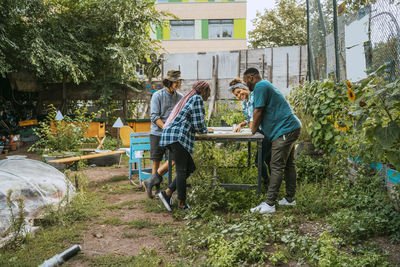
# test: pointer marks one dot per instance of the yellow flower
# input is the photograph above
(348, 83)
(341, 126)
(351, 95)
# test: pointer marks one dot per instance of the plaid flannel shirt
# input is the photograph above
(188, 122)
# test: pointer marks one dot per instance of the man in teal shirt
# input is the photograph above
(282, 127)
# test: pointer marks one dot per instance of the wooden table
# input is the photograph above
(225, 134)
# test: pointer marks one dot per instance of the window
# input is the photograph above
(182, 29)
(220, 28)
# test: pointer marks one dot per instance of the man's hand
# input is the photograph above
(257, 116)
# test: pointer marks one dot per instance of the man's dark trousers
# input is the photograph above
(282, 162)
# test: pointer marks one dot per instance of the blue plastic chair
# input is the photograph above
(139, 142)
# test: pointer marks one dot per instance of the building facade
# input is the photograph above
(202, 25)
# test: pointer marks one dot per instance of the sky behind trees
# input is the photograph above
(256, 5)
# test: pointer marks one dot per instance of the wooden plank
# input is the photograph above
(91, 156)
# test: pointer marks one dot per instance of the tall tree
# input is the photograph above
(284, 25)
(99, 41)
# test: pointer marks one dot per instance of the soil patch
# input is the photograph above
(128, 225)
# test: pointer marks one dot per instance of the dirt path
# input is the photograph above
(130, 221)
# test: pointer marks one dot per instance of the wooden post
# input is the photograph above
(287, 70)
(64, 94)
(162, 67)
(247, 58)
(117, 138)
(300, 55)
(197, 69)
(239, 59)
(272, 65)
(214, 84)
(124, 104)
(263, 65)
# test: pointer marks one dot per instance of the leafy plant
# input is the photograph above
(60, 136)
(17, 221)
(378, 117)
(321, 105)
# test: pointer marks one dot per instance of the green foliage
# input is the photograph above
(145, 258)
(312, 169)
(67, 40)
(323, 104)
(140, 224)
(61, 226)
(369, 124)
(283, 26)
(17, 221)
(377, 112)
(112, 221)
(77, 208)
(326, 252)
(224, 111)
(61, 136)
(232, 117)
(368, 210)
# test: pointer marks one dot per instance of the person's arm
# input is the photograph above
(160, 123)
(257, 115)
(197, 116)
(239, 127)
(155, 108)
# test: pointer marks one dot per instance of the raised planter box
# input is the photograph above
(139, 125)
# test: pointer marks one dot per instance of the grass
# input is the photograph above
(140, 224)
(145, 258)
(44, 245)
(112, 221)
(152, 205)
(124, 204)
(117, 178)
(64, 227)
(162, 229)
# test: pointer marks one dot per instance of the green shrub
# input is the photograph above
(312, 169)
(368, 210)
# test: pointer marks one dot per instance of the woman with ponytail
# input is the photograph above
(186, 119)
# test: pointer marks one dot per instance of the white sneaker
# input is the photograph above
(258, 207)
(284, 202)
(263, 208)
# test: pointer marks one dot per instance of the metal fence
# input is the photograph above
(365, 38)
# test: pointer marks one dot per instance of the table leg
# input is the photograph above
(169, 167)
(249, 154)
(259, 164)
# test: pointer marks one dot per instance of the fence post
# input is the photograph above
(309, 68)
(335, 32)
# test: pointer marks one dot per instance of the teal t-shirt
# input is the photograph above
(278, 118)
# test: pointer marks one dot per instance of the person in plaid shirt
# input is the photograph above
(178, 135)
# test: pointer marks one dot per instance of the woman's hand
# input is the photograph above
(238, 128)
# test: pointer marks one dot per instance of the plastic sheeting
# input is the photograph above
(38, 183)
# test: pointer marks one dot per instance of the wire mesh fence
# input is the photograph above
(367, 37)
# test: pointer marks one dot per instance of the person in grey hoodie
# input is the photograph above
(162, 103)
